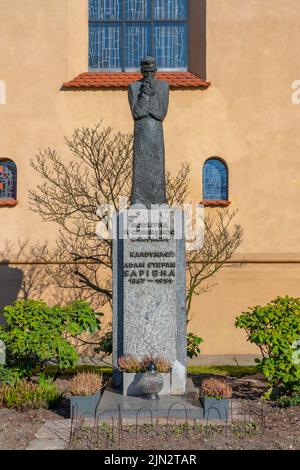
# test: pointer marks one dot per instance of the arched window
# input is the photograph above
(8, 181)
(215, 180)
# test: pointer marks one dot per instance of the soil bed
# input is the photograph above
(274, 429)
(264, 426)
(17, 429)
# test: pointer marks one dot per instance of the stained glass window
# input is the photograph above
(8, 180)
(215, 180)
(122, 32)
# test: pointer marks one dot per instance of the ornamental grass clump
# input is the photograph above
(215, 388)
(86, 384)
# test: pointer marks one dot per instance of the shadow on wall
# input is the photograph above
(11, 280)
(25, 273)
(32, 278)
(197, 38)
(24, 282)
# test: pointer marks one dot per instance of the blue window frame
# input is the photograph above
(8, 180)
(215, 180)
(122, 32)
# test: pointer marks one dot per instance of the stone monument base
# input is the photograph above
(114, 402)
(115, 409)
(149, 289)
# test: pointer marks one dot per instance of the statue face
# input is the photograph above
(149, 71)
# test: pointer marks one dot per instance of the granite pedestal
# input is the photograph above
(113, 403)
(149, 289)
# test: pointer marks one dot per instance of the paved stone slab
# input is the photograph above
(224, 360)
(53, 435)
(47, 444)
(175, 407)
(59, 429)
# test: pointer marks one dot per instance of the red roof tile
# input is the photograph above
(215, 203)
(123, 79)
(8, 202)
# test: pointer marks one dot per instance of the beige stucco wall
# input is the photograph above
(246, 117)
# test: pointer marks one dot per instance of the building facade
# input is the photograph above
(234, 115)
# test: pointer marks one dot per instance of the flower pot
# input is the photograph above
(85, 406)
(131, 384)
(215, 408)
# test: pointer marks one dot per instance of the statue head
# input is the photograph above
(148, 67)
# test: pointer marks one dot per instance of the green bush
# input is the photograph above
(26, 395)
(290, 399)
(106, 343)
(9, 376)
(193, 345)
(275, 329)
(287, 401)
(35, 333)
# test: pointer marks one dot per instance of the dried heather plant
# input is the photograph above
(163, 365)
(215, 388)
(129, 364)
(85, 383)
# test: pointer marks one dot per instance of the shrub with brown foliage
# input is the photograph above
(129, 364)
(85, 383)
(133, 365)
(163, 365)
(215, 388)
